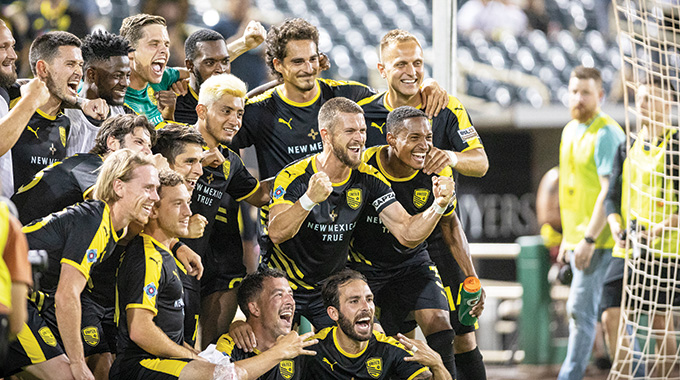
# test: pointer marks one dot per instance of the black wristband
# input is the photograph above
(589, 240)
(176, 247)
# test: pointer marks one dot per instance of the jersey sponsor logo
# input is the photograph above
(312, 133)
(91, 335)
(210, 178)
(354, 198)
(47, 336)
(325, 360)
(420, 197)
(378, 203)
(287, 369)
(179, 303)
(468, 134)
(278, 193)
(374, 367)
(35, 131)
(91, 255)
(150, 290)
(62, 136)
(152, 95)
(380, 127)
(287, 123)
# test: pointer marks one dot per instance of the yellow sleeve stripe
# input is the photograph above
(418, 372)
(370, 170)
(290, 173)
(30, 344)
(225, 344)
(153, 262)
(257, 186)
(167, 366)
(141, 306)
(370, 99)
(370, 152)
(85, 271)
(282, 201)
(37, 225)
(332, 82)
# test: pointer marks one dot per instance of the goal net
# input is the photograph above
(649, 38)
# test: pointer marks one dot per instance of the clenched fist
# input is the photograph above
(320, 187)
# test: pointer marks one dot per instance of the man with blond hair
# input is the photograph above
(77, 240)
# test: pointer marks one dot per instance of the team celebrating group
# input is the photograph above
(127, 173)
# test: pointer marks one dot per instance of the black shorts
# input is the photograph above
(654, 283)
(223, 270)
(453, 278)
(309, 304)
(146, 368)
(398, 292)
(98, 331)
(35, 343)
(613, 284)
(192, 307)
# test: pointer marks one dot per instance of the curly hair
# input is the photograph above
(295, 29)
(101, 45)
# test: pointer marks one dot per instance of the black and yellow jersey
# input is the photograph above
(56, 187)
(284, 131)
(452, 129)
(185, 108)
(382, 358)
(372, 243)
(286, 370)
(320, 247)
(148, 278)
(232, 178)
(81, 236)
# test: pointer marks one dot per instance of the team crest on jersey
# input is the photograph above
(47, 336)
(91, 255)
(420, 197)
(62, 136)
(468, 134)
(91, 335)
(354, 198)
(287, 369)
(374, 367)
(150, 290)
(152, 95)
(278, 193)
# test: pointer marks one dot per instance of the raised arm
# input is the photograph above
(33, 95)
(252, 37)
(412, 230)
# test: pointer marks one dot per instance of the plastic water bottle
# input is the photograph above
(469, 296)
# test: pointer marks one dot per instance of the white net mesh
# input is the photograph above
(649, 36)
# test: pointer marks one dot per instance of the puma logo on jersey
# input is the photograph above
(35, 131)
(286, 122)
(325, 360)
(380, 127)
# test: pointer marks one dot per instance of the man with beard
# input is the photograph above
(151, 306)
(33, 95)
(587, 152)
(352, 349)
(78, 240)
(311, 243)
(106, 75)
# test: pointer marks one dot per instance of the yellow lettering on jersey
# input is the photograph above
(91, 335)
(380, 127)
(354, 198)
(374, 367)
(286, 122)
(287, 369)
(420, 197)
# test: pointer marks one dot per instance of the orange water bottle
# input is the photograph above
(469, 296)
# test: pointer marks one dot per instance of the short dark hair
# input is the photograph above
(132, 26)
(330, 292)
(201, 35)
(295, 29)
(251, 286)
(395, 119)
(172, 139)
(119, 126)
(169, 178)
(329, 111)
(582, 72)
(46, 47)
(101, 45)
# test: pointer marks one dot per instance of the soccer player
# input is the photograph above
(282, 122)
(150, 306)
(404, 279)
(402, 66)
(77, 240)
(587, 152)
(318, 200)
(644, 185)
(106, 76)
(70, 181)
(352, 349)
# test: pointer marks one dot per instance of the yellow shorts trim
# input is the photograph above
(168, 366)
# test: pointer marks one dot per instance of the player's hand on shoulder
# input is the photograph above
(95, 108)
(36, 92)
(212, 157)
(243, 336)
(434, 97)
(292, 345)
(443, 189)
(320, 187)
(436, 161)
